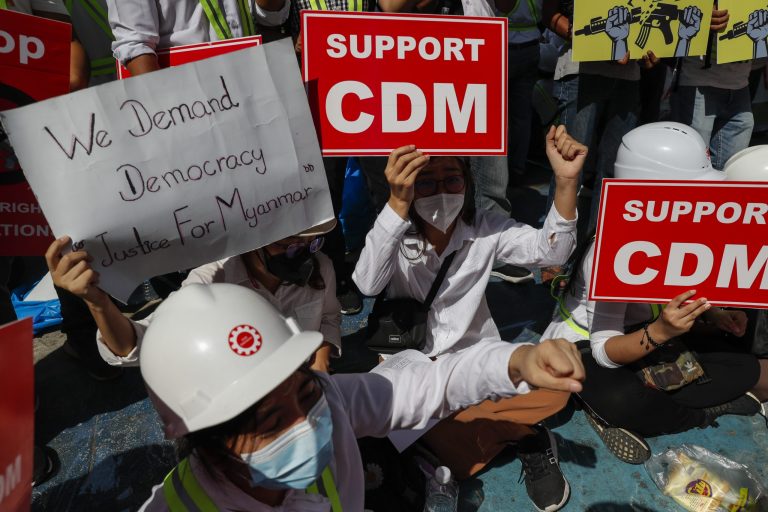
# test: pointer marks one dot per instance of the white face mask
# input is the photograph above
(439, 210)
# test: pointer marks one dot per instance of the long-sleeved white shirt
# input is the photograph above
(373, 404)
(142, 26)
(395, 256)
(314, 310)
(603, 320)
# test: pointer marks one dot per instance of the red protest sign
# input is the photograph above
(17, 430)
(380, 81)
(658, 239)
(178, 55)
(34, 65)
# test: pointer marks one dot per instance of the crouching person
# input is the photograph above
(290, 273)
(229, 374)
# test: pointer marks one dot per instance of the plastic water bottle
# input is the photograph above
(442, 492)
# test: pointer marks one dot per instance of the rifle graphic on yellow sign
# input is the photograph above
(732, 45)
(640, 19)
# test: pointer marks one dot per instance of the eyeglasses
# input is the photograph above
(428, 187)
(294, 249)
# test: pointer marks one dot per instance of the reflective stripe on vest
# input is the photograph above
(219, 22)
(329, 489)
(183, 493)
(535, 16)
(352, 5)
(97, 13)
(103, 66)
(656, 311)
(564, 313)
(3, 4)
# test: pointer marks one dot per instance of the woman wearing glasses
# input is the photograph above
(430, 215)
(297, 279)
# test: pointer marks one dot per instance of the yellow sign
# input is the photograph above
(609, 29)
(745, 36)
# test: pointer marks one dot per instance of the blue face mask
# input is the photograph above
(298, 457)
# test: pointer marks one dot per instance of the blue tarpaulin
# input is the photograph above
(44, 313)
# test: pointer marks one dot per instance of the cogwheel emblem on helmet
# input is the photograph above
(244, 340)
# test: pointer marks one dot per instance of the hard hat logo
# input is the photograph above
(244, 340)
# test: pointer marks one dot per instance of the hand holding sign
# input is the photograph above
(678, 317)
(402, 169)
(73, 272)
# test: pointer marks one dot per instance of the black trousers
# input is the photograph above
(620, 398)
(335, 168)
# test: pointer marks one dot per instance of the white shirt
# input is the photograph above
(31, 6)
(459, 316)
(603, 320)
(478, 7)
(314, 310)
(576, 304)
(733, 76)
(373, 404)
(142, 26)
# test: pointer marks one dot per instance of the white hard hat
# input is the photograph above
(750, 164)
(214, 350)
(664, 151)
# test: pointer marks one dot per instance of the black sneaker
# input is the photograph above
(349, 298)
(544, 482)
(746, 405)
(625, 445)
(512, 274)
(45, 464)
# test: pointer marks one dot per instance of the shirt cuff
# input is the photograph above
(557, 222)
(498, 375)
(132, 359)
(128, 51)
(332, 336)
(272, 18)
(392, 223)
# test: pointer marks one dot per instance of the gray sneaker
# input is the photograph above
(746, 405)
(623, 444)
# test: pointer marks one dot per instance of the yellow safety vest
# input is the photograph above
(183, 492)
(219, 22)
(352, 5)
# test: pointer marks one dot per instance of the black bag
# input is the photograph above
(401, 324)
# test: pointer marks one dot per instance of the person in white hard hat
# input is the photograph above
(749, 164)
(622, 338)
(290, 273)
(263, 432)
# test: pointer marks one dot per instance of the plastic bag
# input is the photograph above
(45, 313)
(702, 481)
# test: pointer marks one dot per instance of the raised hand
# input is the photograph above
(617, 24)
(402, 169)
(678, 317)
(73, 272)
(757, 26)
(565, 154)
(552, 364)
(690, 25)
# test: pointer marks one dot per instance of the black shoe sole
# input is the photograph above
(623, 444)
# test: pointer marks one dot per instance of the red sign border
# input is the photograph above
(240, 41)
(503, 25)
(607, 184)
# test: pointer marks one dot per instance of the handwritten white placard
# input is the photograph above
(179, 167)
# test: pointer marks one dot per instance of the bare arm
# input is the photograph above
(556, 21)
(145, 63)
(73, 273)
(676, 319)
(567, 156)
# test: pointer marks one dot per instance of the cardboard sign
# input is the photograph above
(17, 408)
(176, 168)
(380, 81)
(34, 65)
(605, 30)
(178, 55)
(658, 239)
(745, 36)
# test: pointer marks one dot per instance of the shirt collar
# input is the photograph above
(462, 233)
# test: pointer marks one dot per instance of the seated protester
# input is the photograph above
(264, 432)
(623, 339)
(291, 274)
(431, 215)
